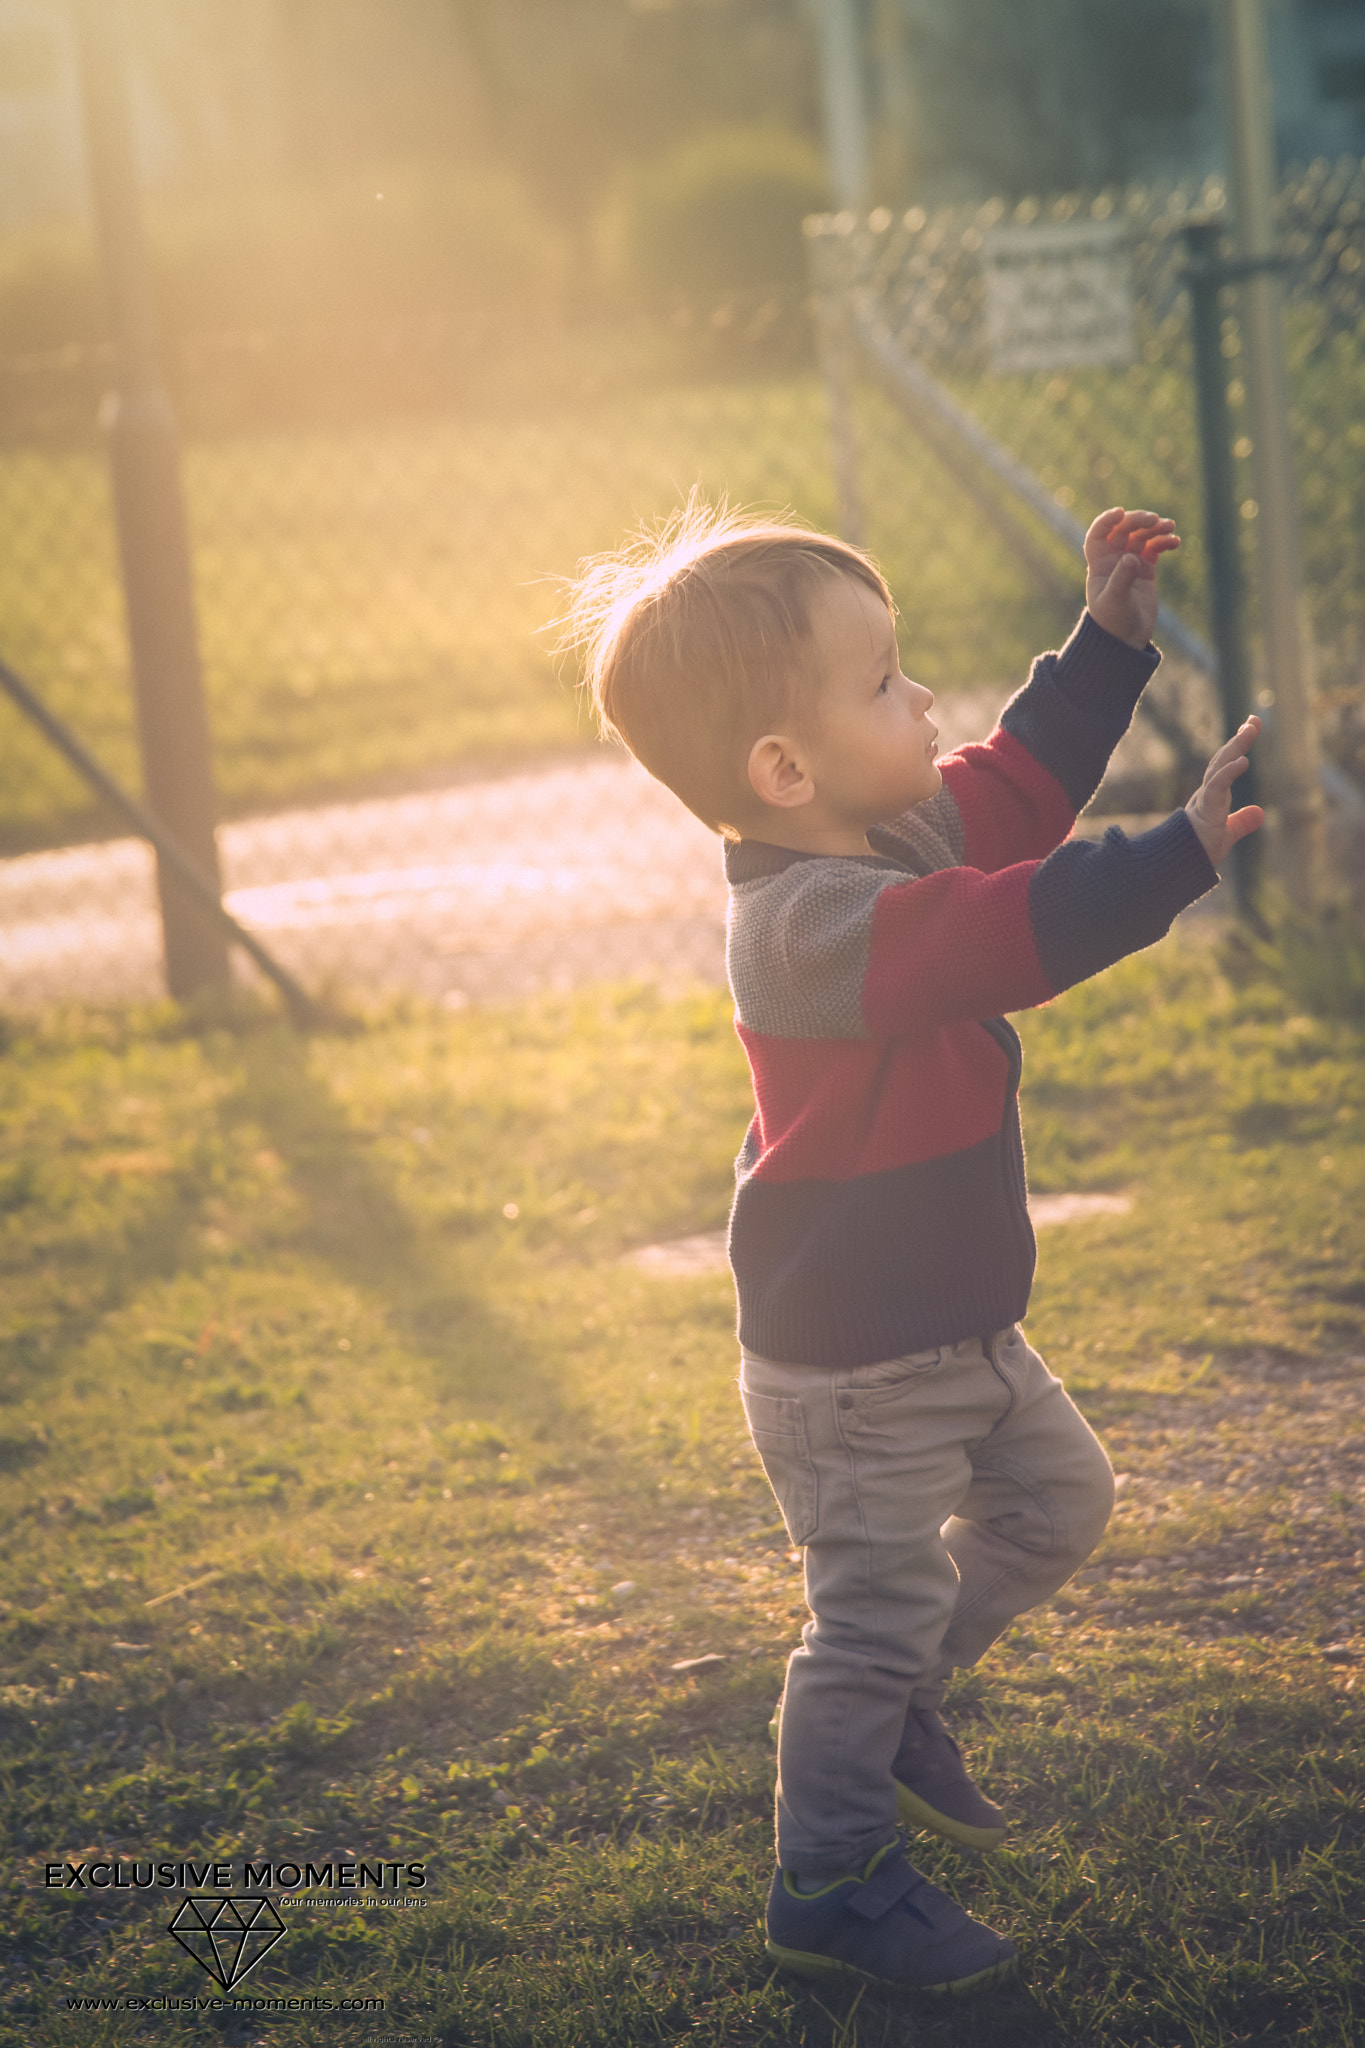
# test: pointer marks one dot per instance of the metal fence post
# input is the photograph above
(844, 96)
(1295, 752)
(149, 509)
(1204, 277)
(835, 346)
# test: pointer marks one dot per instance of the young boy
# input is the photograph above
(886, 909)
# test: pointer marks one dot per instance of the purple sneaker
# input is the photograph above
(889, 1926)
(933, 1789)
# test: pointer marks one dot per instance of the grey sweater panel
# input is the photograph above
(798, 946)
(926, 839)
(798, 940)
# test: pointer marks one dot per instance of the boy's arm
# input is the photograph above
(1016, 795)
(840, 949)
(827, 949)
(965, 944)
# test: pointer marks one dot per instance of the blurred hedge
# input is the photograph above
(412, 242)
(720, 214)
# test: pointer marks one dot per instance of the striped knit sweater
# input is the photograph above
(881, 1201)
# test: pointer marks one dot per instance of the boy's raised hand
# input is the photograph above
(1122, 550)
(1208, 809)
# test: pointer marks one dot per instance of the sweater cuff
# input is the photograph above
(1094, 664)
(1093, 901)
(1173, 865)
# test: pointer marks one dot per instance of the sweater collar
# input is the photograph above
(754, 860)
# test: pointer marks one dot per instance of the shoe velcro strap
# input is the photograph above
(889, 1882)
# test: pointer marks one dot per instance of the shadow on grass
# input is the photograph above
(357, 1224)
(830, 2017)
(55, 1303)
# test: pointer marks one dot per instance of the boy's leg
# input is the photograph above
(867, 1465)
(1040, 1495)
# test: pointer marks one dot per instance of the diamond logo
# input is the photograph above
(226, 1936)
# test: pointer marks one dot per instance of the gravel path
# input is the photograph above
(1273, 1462)
(491, 889)
(584, 871)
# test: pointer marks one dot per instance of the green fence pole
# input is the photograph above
(835, 352)
(1295, 753)
(1204, 276)
(152, 532)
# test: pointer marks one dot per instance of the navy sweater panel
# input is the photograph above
(1077, 704)
(841, 1274)
(1093, 902)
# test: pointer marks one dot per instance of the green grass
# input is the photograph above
(374, 601)
(373, 605)
(267, 1317)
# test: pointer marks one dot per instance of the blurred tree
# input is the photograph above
(578, 89)
(1034, 95)
(360, 80)
(898, 115)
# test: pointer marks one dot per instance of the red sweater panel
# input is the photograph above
(830, 1109)
(1011, 808)
(954, 946)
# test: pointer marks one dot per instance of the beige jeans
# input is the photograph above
(938, 1496)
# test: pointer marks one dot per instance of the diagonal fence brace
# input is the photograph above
(302, 1008)
(924, 395)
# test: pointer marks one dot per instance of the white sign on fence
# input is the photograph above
(1058, 295)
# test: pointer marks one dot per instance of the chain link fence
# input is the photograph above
(412, 792)
(1127, 434)
(380, 526)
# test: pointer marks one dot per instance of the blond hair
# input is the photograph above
(695, 641)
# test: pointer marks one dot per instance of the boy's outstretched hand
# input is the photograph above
(1207, 810)
(1122, 550)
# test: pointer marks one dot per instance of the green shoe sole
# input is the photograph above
(914, 1812)
(804, 1964)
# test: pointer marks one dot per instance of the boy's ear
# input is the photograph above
(777, 773)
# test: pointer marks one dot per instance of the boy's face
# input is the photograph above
(872, 751)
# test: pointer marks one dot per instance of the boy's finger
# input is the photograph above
(1214, 793)
(1137, 526)
(1242, 823)
(1097, 538)
(1235, 749)
(1218, 781)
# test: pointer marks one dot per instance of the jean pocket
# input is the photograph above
(778, 1428)
(873, 1384)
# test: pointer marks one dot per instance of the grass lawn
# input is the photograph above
(373, 601)
(373, 604)
(361, 1499)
